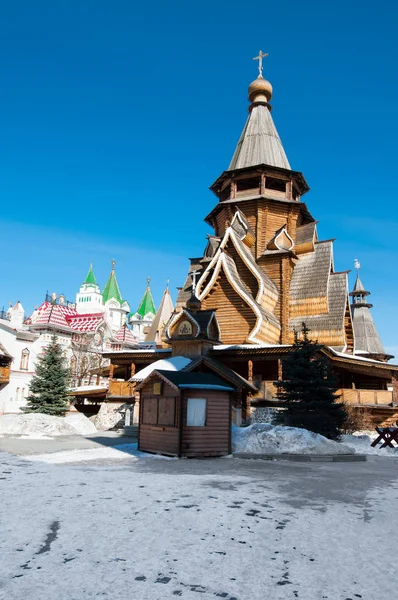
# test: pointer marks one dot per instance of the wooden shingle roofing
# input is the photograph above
(311, 273)
(367, 340)
(259, 142)
(333, 320)
(305, 233)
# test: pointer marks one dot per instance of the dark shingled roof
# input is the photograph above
(222, 370)
(203, 319)
(186, 292)
(182, 379)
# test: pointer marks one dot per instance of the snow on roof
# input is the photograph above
(362, 358)
(248, 346)
(90, 388)
(164, 364)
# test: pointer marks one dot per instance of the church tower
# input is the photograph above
(116, 308)
(264, 270)
(367, 340)
(89, 297)
(141, 321)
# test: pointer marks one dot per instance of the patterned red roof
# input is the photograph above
(52, 315)
(125, 336)
(85, 323)
(66, 317)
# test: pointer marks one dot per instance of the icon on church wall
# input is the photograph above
(185, 328)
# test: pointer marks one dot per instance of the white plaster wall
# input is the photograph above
(89, 300)
(13, 395)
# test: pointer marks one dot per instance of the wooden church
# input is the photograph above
(265, 271)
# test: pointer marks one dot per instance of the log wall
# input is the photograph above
(235, 318)
(215, 438)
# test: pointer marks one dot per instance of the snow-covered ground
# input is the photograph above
(114, 453)
(237, 529)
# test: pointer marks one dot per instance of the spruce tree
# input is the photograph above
(49, 387)
(309, 389)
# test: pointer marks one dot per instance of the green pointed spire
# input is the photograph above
(111, 289)
(147, 304)
(90, 276)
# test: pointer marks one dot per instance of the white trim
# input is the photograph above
(229, 233)
(237, 216)
(223, 263)
(283, 230)
(176, 318)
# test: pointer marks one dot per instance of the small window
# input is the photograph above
(272, 183)
(24, 360)
(196, 412)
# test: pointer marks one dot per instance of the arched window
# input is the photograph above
(24, 360)
(73, 364)
(17, 394)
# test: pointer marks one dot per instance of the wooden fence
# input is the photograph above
(121, 388)
(366, 397)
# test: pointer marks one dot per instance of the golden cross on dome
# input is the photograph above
(260, 57)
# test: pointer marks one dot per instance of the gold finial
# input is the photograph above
(148, 280)
(113, 262)
(260, 57)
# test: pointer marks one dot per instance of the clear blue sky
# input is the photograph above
(115, 117)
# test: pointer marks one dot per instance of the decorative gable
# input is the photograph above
(281, 241)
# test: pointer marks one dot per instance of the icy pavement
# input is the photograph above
(235, 529)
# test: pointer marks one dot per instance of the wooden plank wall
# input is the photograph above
(156, 438)
(214, 438)
(235, 318)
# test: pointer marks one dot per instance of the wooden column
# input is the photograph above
(289, 190)
(280, 370)
(394, 389)
(250, 371)
(233, 190)
(132, 371)
(262, 185)
(284, 291)
(111, 370)
(97, 379)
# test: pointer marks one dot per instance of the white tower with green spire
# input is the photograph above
(142, 320)
(116, 308)
(89, 297)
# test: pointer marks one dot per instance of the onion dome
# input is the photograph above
(260, 90)
(193, 303)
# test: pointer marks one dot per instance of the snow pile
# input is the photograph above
(361, 444)
(263, 438)
(36, 425)
(80, 423)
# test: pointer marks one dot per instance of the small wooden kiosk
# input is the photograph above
(185, 414)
